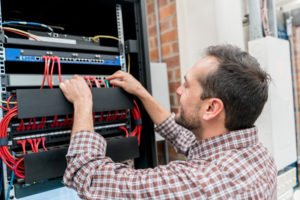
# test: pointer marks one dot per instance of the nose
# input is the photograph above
(179, 90)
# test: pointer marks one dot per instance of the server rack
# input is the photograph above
(93, 38)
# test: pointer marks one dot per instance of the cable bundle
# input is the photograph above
(98, 82)
(11, 161)
(138, 122)
(48, 72)
(24, 23)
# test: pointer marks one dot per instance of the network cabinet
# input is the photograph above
(43, 43)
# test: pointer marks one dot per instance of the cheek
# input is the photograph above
(182, 100)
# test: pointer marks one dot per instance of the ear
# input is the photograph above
(213, 107)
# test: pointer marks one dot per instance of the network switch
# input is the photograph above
(29, 55)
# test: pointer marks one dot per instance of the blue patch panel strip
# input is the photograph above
(17, 55)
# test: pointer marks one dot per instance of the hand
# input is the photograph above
(128, 83)
(77, 91)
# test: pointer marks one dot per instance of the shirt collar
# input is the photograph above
(229, 141)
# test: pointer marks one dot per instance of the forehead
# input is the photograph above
(202, 67)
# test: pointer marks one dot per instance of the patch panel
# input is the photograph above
(19, 80)
(29, 55)
(65, 134)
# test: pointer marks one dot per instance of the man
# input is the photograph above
(220, 99)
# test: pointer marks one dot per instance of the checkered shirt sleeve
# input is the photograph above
(181, 138)
(95, 176)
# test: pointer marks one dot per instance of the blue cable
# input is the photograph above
(10, 184)
(12, 177)
(28, 23)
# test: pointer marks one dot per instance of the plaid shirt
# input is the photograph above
(231, 166)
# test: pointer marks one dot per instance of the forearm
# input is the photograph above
(124, 80)
(157, 113)
(181, 138)
(83, 117)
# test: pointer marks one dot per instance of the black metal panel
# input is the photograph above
(45, 165)
(52, 164)
(120, 148)
(23, 191)
(50, 102)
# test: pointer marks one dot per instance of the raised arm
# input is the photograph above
(124, 80)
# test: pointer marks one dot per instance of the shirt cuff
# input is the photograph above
(84, 142)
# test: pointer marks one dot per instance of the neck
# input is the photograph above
(210, 131)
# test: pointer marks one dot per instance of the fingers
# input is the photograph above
(119, 74)
(64, 84)
(117, 82)
(77, 77)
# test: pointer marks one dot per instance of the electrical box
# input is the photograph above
(44, 43)
(276, 124)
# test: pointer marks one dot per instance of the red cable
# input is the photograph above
(34, 141)
(46, 70)
(20, 33)
(30, 141)
(100, 117)
(59, 68)
(34, 126)
(66, 122)
(107, 117)
(136, 116)
(21, 126)
(38, 141)
(55, 122)
(28, 127)
(23, 144)
(41, 124)
(95, 81)
(123, 128)
(88, 79)
(51, 72)
(3, 108)
(5, 155)
(115, 116)
(8, 101)
(43, 143)
(18, 173)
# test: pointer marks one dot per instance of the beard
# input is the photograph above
(190, 122)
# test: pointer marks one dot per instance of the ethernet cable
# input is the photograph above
(28, 23)
(20, 32)
(97, 37)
